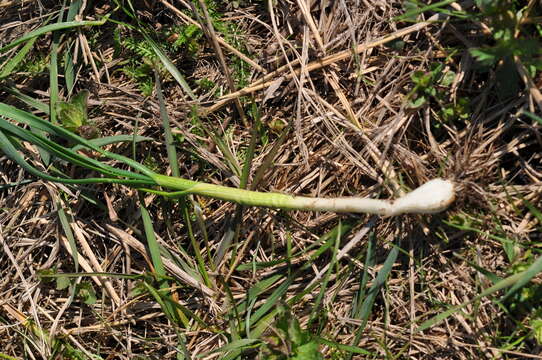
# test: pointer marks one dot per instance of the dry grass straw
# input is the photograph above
(353, 135)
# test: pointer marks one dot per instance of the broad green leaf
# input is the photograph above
(73, 114)
(62, 282)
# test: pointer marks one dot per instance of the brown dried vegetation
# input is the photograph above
(350, 131)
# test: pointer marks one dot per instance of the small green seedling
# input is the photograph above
(73, 116)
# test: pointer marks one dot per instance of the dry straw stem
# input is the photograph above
(96, 266)
(269, 79)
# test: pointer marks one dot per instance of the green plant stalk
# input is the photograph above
(432, 197)
(408, 203)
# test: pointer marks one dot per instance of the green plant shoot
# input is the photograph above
(74, 117)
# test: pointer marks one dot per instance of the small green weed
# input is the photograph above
(141, 72)
(506, 19)
(230, 32)
(290, 341)
(140, 66)
(513, 41)
(83, 289)
(73, 116)
(514, 38)
(434, 85)
(35, 65)
(186, 37)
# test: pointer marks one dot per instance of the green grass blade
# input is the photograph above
(251, 148)
(484, 233)
(7, 357)
(533, 116)
(10, 66)
(195, 245)
(159, 268)
(171, 68)
(266, 320)
(342, 230)
(53, 70)
(234, 226)
(6, 145)
(52, 27)
(76, 275)
(6, 186)
(9, 149)
(268, 159)
(504, 283)
(174, 164)
(36, 104)
(108, 140)
(186, 312)
(262, 286)
(74, 8)
(270, 302)
(256, 290)
(327, 240)
(69, 71)
(368, 303)
(168, 310)
(537, 213)
(69, 234)
(323, 287)
(61, 152)
(34, 121)
(234, 345)
(370, 260)
(170, 145)
(232, 162)
(534, 269)
(201, 224)
(436, 6)
(67, 154)
(152, 243)
(488, 274)
(349, 348)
